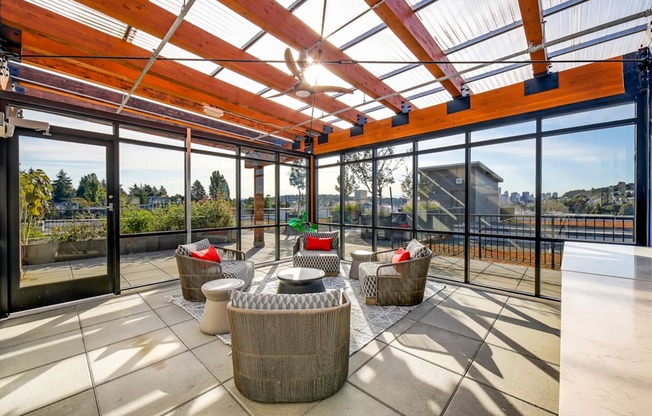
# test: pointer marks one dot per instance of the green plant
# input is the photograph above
(81, 230)
(35, 194)
(302, 224)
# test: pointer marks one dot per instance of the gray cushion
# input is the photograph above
(185, 249)
(417, 250)
(273, 301)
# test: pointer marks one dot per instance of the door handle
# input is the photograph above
(110, 206)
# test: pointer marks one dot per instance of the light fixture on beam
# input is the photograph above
(211, 111)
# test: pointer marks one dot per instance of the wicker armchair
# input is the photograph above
(328, 261)
(402, 284)
(298, 355)
(193, 273)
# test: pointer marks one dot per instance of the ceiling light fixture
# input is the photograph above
(212, 111)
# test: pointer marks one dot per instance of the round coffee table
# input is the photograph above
(300, 280)
(357, 257)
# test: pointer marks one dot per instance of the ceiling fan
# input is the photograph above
(303, 88)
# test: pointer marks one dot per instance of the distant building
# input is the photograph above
(555, 195)
(525, 196)
(515, 197)
(360, 194)
(445, 185)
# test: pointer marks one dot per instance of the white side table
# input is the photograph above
(357, 257)
(215, 319)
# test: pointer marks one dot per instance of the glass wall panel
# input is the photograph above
(441, 191)
(440, 142)
(392, 239)
(258, 190)
(502, 262)
(293, 202)
(502, 197)
(447, 254)
(588, 185)
(151, 200)
(357, 193)
(395, 149)
(356, 239)
(394, 185)
(327, 160)
(501, 132)
(63, 215)
(221, 238)
(586, 118)
(213, 147)
(551, 258)
(259, 244)
(78, 123)
(151, 189)
(212, 191)
(152, 136)
(328, 195)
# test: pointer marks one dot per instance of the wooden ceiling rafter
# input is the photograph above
(274, 19)
(401, 19)
(189, 83)
(532, 18)
(154, 20)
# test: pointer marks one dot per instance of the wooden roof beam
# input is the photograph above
(273, 18)
(533, 26)
(156, 21)
(404, 22)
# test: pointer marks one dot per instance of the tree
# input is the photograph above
(218, 187)
(62, 189)
(351, 183)
(385, 168)
(298, 180)
(162, 191)
(90, 188)
(197, 191)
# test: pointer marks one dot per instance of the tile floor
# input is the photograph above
(462, 352)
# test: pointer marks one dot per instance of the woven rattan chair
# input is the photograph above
(290, 355)
(385, 283)
(328, 261)
(193, 273)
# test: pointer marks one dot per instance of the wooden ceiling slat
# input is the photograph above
(147, 16)
(533, 26)
(273, 18)
(190, 83)
(404, 22)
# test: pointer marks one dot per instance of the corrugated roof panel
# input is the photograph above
(430, 99)
(501, 79)
(269, 48)
(490, 50)
(452, 22)
(150, 43)
(606, 50)
(362, 24)
(240, 81)
(383, 46)
(84, 15)
(380, 113)
(214, 18)
(590, 14)
(412, 78)
(312, 10)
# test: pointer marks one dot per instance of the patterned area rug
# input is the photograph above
(367, 321)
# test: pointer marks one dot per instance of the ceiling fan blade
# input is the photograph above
(303, 62)
(291, 64)
(316, 89)
(280, 94)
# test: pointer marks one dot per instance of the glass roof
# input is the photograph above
(475, 35)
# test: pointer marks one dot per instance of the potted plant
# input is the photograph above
(302, 224)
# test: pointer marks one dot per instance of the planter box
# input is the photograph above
(40, 253)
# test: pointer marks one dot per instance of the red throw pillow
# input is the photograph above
(401, 255)
(209, 254)
(314, 243)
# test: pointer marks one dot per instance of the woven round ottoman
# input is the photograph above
(215, 319)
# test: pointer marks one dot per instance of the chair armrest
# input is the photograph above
(389, 274)
(231, 254)
(192, 266)
(297, 244)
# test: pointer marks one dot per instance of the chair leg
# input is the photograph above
(370, 301)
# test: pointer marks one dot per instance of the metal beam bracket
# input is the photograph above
(541, 83)
(458, 104)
